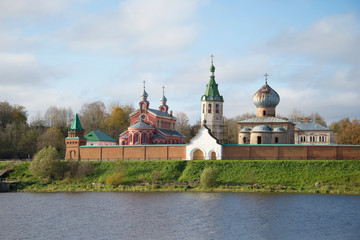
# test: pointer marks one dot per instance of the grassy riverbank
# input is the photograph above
(233, 176)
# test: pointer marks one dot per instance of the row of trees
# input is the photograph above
(21, 138)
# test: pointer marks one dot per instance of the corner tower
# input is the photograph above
(74, 140)
(212, 106)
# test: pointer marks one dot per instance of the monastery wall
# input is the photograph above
(291, 152)
(141, 152)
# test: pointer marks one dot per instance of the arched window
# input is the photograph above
(259, 140)
(264, 113)
(203, 108)
(143, 140)
(136, 138)
(276, 140)
(217, 108)
(209, 108)
(244, 140)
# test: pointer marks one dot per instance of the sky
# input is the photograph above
(66, 53)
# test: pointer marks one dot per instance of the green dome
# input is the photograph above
(212, 68)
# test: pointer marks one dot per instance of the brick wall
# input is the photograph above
(298, 152)
(155, 152)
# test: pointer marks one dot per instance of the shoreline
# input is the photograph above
(52, 188)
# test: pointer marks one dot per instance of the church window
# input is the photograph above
(259, 140)
(143, 138)
(203, 108)
(217, 108)
(137, 138)
(244, 140)
(209, 108)
(276, 140)
(264, 113)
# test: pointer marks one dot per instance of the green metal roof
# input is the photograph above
(212, 91)
(76, 125)
(98, 136)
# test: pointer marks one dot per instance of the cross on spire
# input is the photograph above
(212, 58)
(266, 75)
(163, 87)
(144, 84)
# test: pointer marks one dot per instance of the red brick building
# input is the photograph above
(151, 126)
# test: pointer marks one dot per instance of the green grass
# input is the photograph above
(233, 176)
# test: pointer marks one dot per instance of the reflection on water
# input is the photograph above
(178, 216)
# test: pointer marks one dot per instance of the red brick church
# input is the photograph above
(151, 126)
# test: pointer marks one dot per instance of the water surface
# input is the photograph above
(178, 216)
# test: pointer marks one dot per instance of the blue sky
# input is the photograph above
(66, 53)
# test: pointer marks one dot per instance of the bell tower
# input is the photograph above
(212, 106)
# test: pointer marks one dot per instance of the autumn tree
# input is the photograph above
(116, 123)
(348, 132)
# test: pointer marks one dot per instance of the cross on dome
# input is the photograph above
(266, 75)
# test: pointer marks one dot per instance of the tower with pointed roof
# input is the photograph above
(212, 106)
(74, 140)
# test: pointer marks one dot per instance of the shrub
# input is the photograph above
(156, 176)
(84, 169)
(115, 180)
(44, 165)
(208, 177)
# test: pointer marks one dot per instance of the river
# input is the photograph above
(178, 216)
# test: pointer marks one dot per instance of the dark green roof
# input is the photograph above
(76, 125)
(98, 136)
(212, 91)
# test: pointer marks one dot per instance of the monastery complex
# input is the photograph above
(152, 134)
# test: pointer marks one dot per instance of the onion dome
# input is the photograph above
(163, 100)
(245, 130)
(261, 128)
(279, 129)
(266, 96)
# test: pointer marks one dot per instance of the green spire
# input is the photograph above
(76, 125)
(212, 91)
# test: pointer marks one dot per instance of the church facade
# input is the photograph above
(266, 128)
(151, 126)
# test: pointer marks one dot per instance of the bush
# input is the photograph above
(84, 169)
(115, 180)
(208, 177)
(156, 176)
(45, 165)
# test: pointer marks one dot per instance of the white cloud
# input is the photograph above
(332, 39)
(34, 9)
(137, 26)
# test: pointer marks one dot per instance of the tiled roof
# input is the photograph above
(264, 120)
(160, 113)
(173, 133)
(141, 125)
(125, 136)
(310, 126)
(98, 136)
(157, 136)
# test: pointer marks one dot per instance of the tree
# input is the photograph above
(60, 117)
(92, 115)
(116, 123)
(12, 114)
(183, 126)
(44, 164)
(348, 132)
(52, 137)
